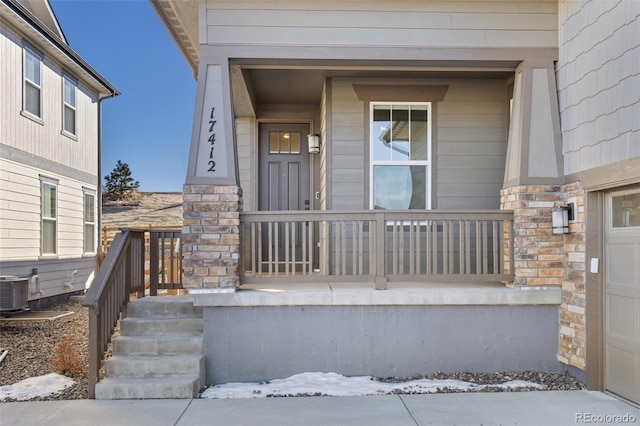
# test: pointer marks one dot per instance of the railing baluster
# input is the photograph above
(485, 254)
(287, 245)
(343, 242)
(360, 248)
(494, 248)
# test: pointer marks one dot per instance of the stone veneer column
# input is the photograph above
(572, 350)
(542, 258)
(538, 253)
(211, 237)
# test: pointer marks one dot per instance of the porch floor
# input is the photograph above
(364, 294)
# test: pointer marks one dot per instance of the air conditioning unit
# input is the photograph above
(13, 293)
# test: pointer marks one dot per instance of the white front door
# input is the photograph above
(622, 295)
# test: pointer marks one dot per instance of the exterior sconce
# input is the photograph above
(314, 143)
(560, 219)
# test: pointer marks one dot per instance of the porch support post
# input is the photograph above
(212, 196)
(534, 152)
(533, 176)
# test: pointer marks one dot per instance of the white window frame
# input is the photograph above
(45, 218)
(26, 81)
(69, 106)
(426, 163)
(86, 222)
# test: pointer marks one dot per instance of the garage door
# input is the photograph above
(622, 295)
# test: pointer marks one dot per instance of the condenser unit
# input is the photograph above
(13, 293)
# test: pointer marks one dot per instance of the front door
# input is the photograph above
(283, 185)
(622, 295)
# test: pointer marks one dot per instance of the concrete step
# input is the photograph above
(150, 366)
(159, 387)
(166, 344)
(164, 306)
(132, 326)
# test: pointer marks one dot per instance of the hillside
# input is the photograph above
(152, 209)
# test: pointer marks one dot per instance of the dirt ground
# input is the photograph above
(152, 209)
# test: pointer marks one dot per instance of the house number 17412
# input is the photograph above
(212, 140)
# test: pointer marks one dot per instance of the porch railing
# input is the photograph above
(121, 277)
(377, 246)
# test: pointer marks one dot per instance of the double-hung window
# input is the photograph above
(400, 153)
(48, 238)
(89, 223)
(68, 105)
(32, 89)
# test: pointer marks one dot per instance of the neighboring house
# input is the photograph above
(49, 153)
(438, 111)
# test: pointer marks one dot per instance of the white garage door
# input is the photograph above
(622, 295)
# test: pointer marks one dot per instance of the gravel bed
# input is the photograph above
(31, 345)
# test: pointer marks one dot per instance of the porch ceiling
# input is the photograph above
(302, 83)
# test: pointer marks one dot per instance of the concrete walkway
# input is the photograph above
(508, 408)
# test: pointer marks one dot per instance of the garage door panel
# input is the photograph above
(619, 323)
(623, 258)
(619, 378)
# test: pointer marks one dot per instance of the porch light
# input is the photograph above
(314, 143)
(560, 220)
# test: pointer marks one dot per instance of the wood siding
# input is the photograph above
(44, 138)
(20, 213)
(468, 147)
(598, 82)
(508, 23)
(35, 148)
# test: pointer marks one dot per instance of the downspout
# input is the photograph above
(112, 94)
(99, 249)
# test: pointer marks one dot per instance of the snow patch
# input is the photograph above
(334, 384)
(35, 387)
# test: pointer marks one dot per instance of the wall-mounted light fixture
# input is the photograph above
(314, 143)
(560, 217)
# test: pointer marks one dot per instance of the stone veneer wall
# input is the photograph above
(538, 254)
(572, 349)
(211, 236)
(542, 258)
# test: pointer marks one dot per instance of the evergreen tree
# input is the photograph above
(119, 183)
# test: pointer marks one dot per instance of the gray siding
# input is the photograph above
(469, 145)
(599, 82)
(515, 23)
(348, 162)
(247, 166)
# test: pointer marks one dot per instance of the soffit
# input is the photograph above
(180, 17)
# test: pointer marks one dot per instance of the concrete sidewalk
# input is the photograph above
(504, 408)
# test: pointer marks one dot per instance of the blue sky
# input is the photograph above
(149, 125)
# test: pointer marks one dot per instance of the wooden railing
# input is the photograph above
(163, 255)
(135, 257)
(377, 246)
(120, 276)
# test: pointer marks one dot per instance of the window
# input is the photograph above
(625, 210)
(32, 101)
(284, 142)
(89, 223)
(49, 218)
(69, 105)
(400, 156)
